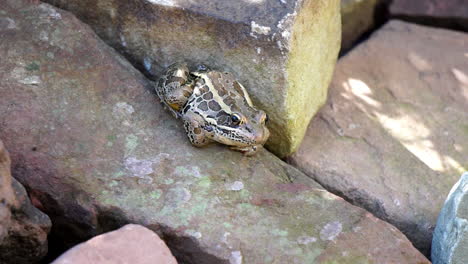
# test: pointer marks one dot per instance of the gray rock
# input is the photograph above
(95, 147)
(394, 130)
(23, 228)
(284, 52)
(450, 241)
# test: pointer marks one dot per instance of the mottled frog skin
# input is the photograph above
(214, 107)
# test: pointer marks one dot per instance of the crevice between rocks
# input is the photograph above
(67, 232)
(456, 24)
(184, 248)
(366, 202)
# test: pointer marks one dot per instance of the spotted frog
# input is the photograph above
(214, 107)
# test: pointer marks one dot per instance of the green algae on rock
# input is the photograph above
(283, 52)
(93, 146)
(357, 17)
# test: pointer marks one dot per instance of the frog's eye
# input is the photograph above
(266, 119)
(235, 119)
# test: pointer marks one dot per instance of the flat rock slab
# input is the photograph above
(134, 244)
(450, 242)
(96, 149)
(23, 228)
(448, 13)
(395, 129)
(357, 17)
(284, 52)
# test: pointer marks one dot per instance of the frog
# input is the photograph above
(214, 107)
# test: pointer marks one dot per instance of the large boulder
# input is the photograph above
(445, 13)
(450, 241)
(357, 18)
(394, 131)
(284, 52)
(23, 228)
(91, 141)
(134, 244)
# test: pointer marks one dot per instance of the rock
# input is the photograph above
(450, 241)
(394, 130)
(130, 244)
(23, 228)
(96, 149)
(284, 52)
(357, 18)
(445, 13)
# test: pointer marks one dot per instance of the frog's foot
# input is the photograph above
(249, 150)
(176, 114)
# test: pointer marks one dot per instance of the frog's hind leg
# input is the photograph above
(198, 134)
(175, 88)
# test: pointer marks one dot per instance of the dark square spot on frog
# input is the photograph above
(186, 108)
(223, 118)
(176, 79)
(208, 96)
(214, 105)
(197, 130)
(187, 93)
(203, 89)
(221, 91)
(203, 106)
(229, 101)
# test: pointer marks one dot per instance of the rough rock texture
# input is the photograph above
(23, 228)
(446, 13)
(395, 129)
(450, 241)
(130, 244)
(96, 149)
(357, 17)
(7, 194)
(284, 52)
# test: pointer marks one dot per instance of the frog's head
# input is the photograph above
(228, 112)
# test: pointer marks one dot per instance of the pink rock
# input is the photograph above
(130, 244)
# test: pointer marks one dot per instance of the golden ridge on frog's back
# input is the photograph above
(214, 107)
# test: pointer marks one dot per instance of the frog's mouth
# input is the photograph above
(249, 150)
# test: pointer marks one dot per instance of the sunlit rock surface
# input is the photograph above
(357, 17)
(394, 133)
(446, 13)
(23, 228)
(284, 52)
(450, 242)
(89, 139)
(130, 244)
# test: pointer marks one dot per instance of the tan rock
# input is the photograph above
(393, 135)
(284, 52)
(132, 244)
(7, 195)
(23, 228)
